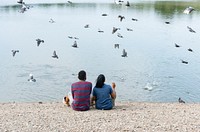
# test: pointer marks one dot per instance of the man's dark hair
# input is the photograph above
(82, 75)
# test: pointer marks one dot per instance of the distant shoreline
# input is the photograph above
(127, 116)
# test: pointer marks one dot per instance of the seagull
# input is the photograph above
(176, 45)
(51, 21)
(180, 100)
(20, 1)
(100, 31)
(190, 29)
(118, 2)
(124, 53)
(190, 50)
(185, 62)
(55, 55)
(188, 10)
(14, 52)
(119, 35)
(115, 30)
(86, 26)
(31, 79)
(121, 18)
(104, 14)
(129, 29)
(69, 2)
(116, 46)
(39, 41)
(134, 19)
(70, 37)
(75, 45)
(167, 22)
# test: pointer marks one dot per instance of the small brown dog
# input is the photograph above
(66, 100)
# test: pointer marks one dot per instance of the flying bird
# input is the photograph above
(14, 52)
(86, 26)
(190, 50)
(20, 1)
(167, 22)
(100, 31)
(39, 41)
(115, 30)
(176, 45)
(121, 18)
(129, 29)
(55, 55)
(119, 35)
(188, 10)
(51, 21)
(185, 62)
(191, 30)
(134, 19)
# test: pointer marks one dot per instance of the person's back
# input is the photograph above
(103, 99)
(103, 94)
(81, 95)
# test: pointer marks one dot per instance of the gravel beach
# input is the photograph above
(127, 116)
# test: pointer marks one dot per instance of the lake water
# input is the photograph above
(152, 72)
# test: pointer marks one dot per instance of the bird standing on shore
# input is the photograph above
(180, 100)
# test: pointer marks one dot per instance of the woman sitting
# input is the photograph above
(103, 95)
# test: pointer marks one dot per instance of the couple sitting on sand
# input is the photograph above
(79, 98)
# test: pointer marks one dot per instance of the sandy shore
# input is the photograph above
(127, 116)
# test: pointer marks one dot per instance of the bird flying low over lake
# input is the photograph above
(51, 21)
(188, 10)
(39, 41)
(185, 62)
(190, 50)
(121, 18)
(55, 55)
(14, 52)
(190, 29)
(176, 45)
(115, 30)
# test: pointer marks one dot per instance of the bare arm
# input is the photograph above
(113, 94)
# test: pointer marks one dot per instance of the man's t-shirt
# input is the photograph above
(103, 97)
(81, 95)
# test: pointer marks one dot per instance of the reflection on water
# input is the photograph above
(152, 71)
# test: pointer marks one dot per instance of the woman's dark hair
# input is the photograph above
(82, 75)
(100, 81)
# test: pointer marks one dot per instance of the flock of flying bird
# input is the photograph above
(25, 7)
